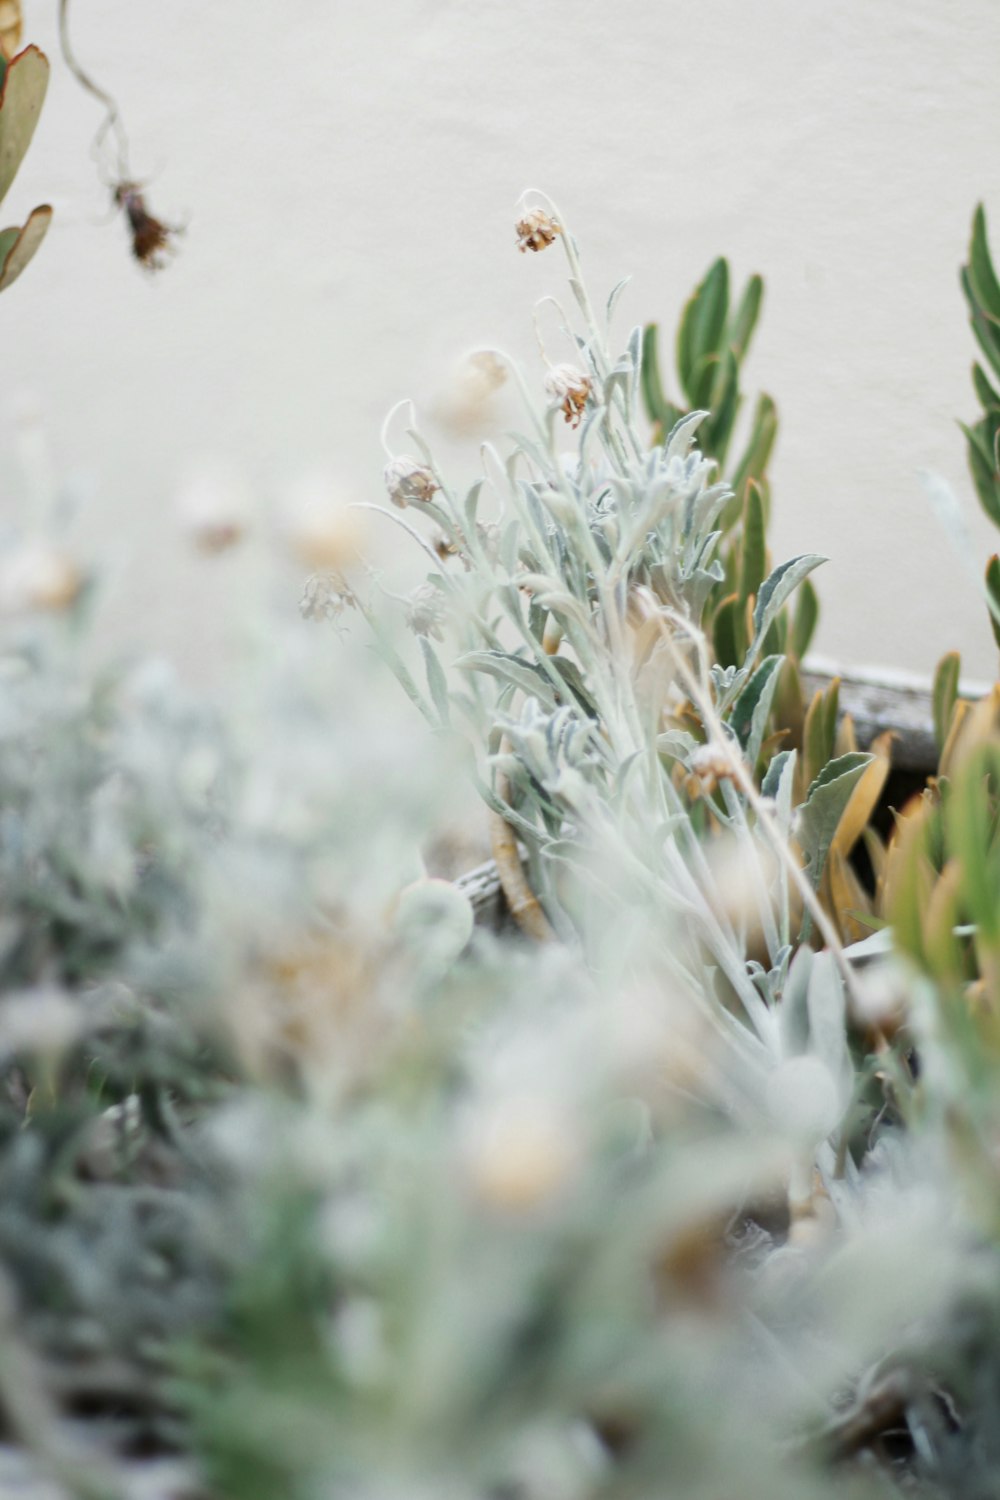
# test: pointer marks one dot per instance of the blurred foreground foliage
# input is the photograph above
(311, 1188)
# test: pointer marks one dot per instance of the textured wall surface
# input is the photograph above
(348, 175)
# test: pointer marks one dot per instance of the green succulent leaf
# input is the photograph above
(969, 836)
(985, 329)
(723, 403)
(804, 620)
(984, 390)
(993, 593)
(983, 468)
(753, 558)
(17, 246)
(22, 95)
(726, 632)
(745, 317)
(983, 281)
(945, 691)
(658, 408)
(755, 459)
(702, 325)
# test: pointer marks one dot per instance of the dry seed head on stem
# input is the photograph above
(572, 388)
(536, 230)
(409, 481)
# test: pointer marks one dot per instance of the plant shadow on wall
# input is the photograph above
(309, 1186)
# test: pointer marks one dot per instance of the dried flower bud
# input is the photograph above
(38, 577)
(444, 546)
(536, 230)
(425, 612)
(325, 597)
(571, 388)
(709, 766)
(408, 481)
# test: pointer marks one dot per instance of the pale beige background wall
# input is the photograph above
(348, 173)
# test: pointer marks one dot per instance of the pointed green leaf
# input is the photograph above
(724, 401)
(753, 552)
(21, 97)
(702, 323)
(752, 708)
(17, 246)
(984, 390)
(761, 442)
(945, 690)
(982, 467)
(986, 331)
(967, 822)
(823, 809)
(993, 590)
(804, 620)
(725, 640)
(745, 317)
(653, 396)
(985, 287)
(778, 587)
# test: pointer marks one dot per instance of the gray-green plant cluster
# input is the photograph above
(309, 1188)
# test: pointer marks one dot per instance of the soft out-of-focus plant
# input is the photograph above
(310, 1188)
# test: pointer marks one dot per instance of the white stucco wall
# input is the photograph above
(348, 175)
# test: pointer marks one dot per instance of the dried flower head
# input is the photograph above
(709, 766)
(325, 597)
(152, 241)
(572, 388)
(425, 612)
(445, 547)
(409, 481)
(536, 231)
